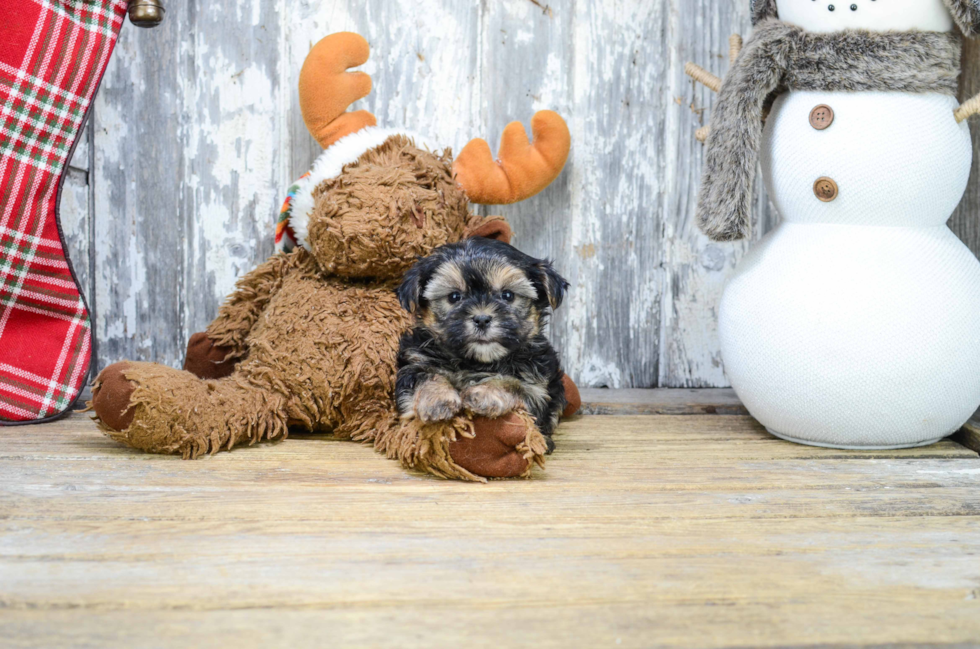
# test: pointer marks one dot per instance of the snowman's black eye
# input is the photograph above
(831, 8)
(854, 7)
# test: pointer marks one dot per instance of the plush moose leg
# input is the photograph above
(507, 447)
(573, 400)
(159, 409)
(206, 360)
(468, 450)
(464, 449)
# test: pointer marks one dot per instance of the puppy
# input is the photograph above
(478, 344)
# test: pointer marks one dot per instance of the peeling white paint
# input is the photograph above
(454, 71)
(600, 372)
(122, 280)
(226, 138)
(234, 153)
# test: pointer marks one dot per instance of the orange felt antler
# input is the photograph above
(522, 170)
(326, 89)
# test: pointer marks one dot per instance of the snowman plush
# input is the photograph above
(856, 322)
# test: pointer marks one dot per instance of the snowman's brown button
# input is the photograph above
(821, 117)
(825, 189)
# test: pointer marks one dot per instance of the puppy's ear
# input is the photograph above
(493, 227)
(554, 284)
(413, 284)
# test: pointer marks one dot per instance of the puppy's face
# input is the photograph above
(482, 299)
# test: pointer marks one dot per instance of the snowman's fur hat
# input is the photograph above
(779, 56)
(966, 13)
(762, 9)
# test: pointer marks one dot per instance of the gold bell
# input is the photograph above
(146, 13)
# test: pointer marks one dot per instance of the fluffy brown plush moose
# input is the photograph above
(309, 338)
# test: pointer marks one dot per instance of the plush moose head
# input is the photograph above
(377, 199)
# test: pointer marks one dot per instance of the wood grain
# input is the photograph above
(661, 401)
(654, 530)
(198, 133)
(969, 436)
(138, 243)
(75, 215)
(965, 222)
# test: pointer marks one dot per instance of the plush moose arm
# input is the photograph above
(242, 309)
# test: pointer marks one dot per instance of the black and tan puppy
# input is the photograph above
(478, 343)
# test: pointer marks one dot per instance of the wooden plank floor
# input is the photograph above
(652, 530)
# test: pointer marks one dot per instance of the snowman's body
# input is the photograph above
(856, 322)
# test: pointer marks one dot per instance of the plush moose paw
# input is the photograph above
(506, 447)
(160, 409)
(572, 397)
(111, 397)
(205, 360)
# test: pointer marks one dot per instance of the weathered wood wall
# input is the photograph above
(196, 133)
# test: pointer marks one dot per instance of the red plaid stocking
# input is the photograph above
(52, 56)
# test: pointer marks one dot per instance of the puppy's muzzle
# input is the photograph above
(482, 321)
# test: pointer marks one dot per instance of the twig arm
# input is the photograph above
(701, 75)
(968, 109)
(734, 47)
(711, 81)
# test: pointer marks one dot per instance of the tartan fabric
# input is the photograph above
(52, 56)
(285, 236)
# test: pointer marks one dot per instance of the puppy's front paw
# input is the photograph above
(489, 400)
(437, 401)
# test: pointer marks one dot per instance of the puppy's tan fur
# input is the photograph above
(493, 398)
(436, 400)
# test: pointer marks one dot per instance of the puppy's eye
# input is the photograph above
(508, 296)
(455, 297)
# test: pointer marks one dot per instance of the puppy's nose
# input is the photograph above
(482, 321)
